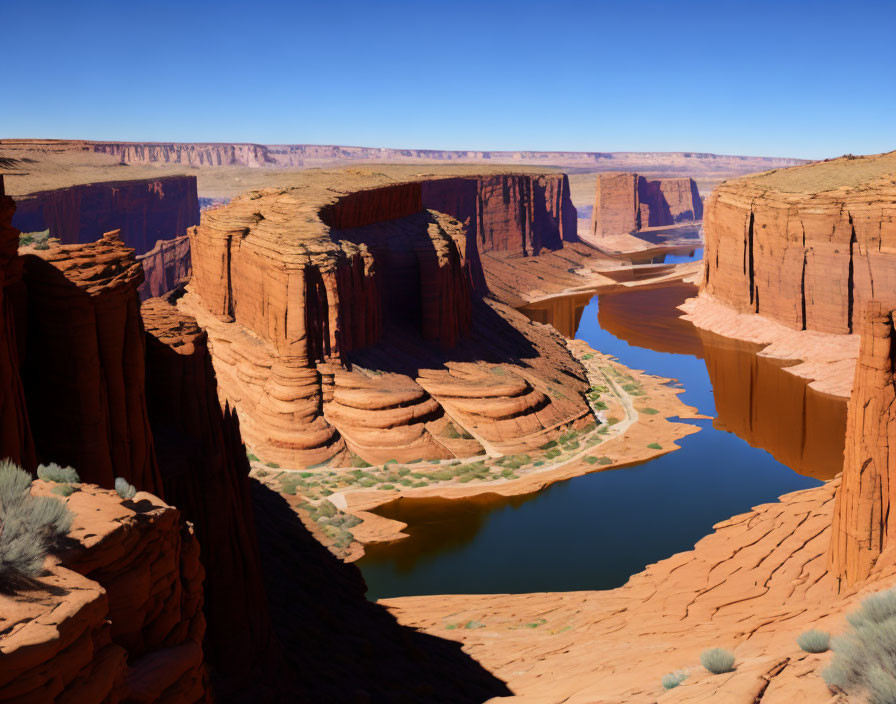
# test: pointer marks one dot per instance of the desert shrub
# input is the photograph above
(251, 457)
(31, 527)
(272, 465)
(386, 487)
(63, 489)
(655, 446)
(612, 421)
(54, 473)
(124, 489)
(38, 239)
(549, 445)
(717, 660)
(261, 473)
(605, 460)
(863, 657)
(649, 411)
(814, 641)
(673, 679)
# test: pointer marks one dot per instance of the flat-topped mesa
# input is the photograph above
(806, 246)
(863, 527)
(291, 283)
(84, 368)
(626, 202)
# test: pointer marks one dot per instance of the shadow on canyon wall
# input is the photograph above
(343, 648)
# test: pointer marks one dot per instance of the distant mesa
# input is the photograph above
(210, 154)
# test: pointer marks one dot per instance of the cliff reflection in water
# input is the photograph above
(754, 397)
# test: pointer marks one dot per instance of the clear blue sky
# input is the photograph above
(784, 78)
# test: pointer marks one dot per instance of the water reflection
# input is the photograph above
(593, 532)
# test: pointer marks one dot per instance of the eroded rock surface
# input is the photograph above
(119, 617)
(165, 267)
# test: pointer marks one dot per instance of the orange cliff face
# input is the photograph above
(862, 528)
(626, 202)
(806, 247)
(294, 285)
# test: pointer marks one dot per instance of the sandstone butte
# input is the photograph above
(792, 256)
(346, 318)
(625, 203)
(763, 577)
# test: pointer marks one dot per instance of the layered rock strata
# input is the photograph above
(293, 284)
(145, 210)
(626, 202)
(84, 371)
(806, 247)
(118, 618)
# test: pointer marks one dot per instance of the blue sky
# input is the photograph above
(802, 79)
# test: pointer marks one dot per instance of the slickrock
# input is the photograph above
(119, 617)
(165, 267)
(204, 471)
(752, 587)
(84, 368)
(807, 246)
(145, 210)
(15, 431)
(295, 286)
(626, 202)
(862, 529)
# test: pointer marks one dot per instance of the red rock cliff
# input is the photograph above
(205, 474)
(145, 210)
(122, 618)
(165, 267)
(862, 522)
(84, 366)
(807, 246)
(627, 202)
(15, 432)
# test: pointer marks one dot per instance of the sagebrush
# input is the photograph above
(30, 527)
(717, 660)
(865, 657)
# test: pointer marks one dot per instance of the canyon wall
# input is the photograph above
(862, 528)
(145, 210)
(121, 620)
(313, 155)
(165, 267)
(806, 247)
(205, 474)
(84, 364)
(626, 202)
(15, 431)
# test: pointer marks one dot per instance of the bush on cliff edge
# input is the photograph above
(30, 526)
(864, 657)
